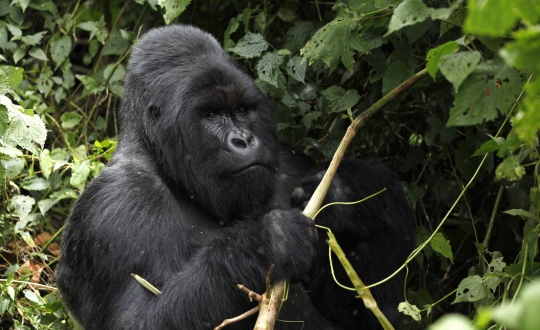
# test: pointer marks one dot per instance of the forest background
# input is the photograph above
(464, 140)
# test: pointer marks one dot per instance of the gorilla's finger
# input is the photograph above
(298, 197)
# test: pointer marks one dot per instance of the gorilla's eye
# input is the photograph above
(212, 114)
(241, 110)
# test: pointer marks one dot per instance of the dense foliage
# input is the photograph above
(464, 140)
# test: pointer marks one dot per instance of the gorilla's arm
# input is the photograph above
(168, 240)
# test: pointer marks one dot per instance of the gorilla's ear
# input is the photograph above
(154, 113)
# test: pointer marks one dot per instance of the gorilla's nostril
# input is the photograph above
(239, 143)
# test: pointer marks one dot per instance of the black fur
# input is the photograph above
(196, 200)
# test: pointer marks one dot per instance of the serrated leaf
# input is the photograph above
(60, 49)
(251, 45)
(34, 39)
(36, 183)
(298, 35)
(22, 205)
(339, 99)
(296, 68)
(435, 54)
(70, 119)
(411, 310)
(456, 67)
(15, 31)
(491, 89)
(409, 12)
(13, 166)
(526, 45)
(336, 40)
(90, 84)
(268, 68)
(519, 212)
(38, 53)
(470, 289)
(173, 8)
(510, 169)
(23, 129)
(441, 245)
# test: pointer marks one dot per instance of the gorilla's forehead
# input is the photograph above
(223, 87)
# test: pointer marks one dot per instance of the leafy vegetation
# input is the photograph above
(464, 141)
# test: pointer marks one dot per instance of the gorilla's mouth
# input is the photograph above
(252, 167)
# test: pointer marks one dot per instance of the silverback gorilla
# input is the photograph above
(196, 200)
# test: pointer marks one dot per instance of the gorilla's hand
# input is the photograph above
(290, 238)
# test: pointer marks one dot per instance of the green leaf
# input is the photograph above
(30, 295)
(470, 289)
(509, 169)
(296, 68)
(527, 119)
(45, 163)
(452, 322)
(435, 54)
(409, 12)
(336, 40)
(456, 67)
(397, 73)
(491, 89)
(339, 99)
(38, 53)
(444, 13)
(489, 146)
(90, 84)
(80, 174)
(3, 119)
(15, 31)
(22, 205)
(251, 45)
(173, 8)
(234, 24)
(268, 68)
(526, 46)
(411, 310)
(36, 183)
(519, 212)
(490, 17)
(309, 118)
(14, 75)
(286, 15)
(298, 35)
(34, 39)
(441, 245)
(60, 49)
(70, 119)
(45, 205)
(23, 129)
(116, 45)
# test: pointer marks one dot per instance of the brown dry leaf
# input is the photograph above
(33, 267)
(42, 238)
(54, 249)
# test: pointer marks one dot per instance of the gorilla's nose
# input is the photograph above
(242, 142)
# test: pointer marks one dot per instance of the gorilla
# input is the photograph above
(197, 199)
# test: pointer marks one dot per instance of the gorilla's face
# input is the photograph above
(210, 127)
